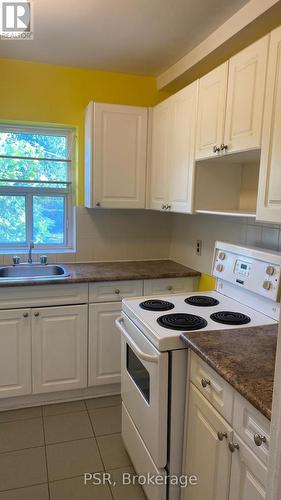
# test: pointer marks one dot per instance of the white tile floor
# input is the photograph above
(45, 451)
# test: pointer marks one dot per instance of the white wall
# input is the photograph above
(187, 229)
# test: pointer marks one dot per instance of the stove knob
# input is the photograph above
(221, 255)
(267, 285)
(270, 270)
(219, 268)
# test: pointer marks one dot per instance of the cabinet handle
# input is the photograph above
(168, 206)
(205, 382)
(170, 288)
(216, 149)
(259, 439)
(98, 204)
(117, 291)
(164, 206)
(233, 447)
(222, 435)
(224, 147)
(36, 314)
(25, 315)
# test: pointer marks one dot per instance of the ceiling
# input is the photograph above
(132, 36)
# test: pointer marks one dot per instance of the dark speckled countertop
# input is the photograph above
(244, 357)
(114, 271)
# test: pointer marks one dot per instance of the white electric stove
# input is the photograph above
(154, 358)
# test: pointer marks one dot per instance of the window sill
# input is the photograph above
(38, 251)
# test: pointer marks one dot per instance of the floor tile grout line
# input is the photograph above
(24, 487)
(22, 449)
(103, 464)
(45, 451)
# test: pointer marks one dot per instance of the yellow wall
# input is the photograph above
(42, 93)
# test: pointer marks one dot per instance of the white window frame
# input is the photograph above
(68, 193)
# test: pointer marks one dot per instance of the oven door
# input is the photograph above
(144, 388)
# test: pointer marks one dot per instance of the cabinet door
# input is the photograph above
(206, 456)
(245, 97)
(181, 168)
(248, 474)
(59, 348)
(269, 193)
(104, 344)
(15, 353)
(211, 111)
(117, 173)
(161, 145)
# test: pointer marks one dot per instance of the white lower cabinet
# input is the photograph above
(226, 467)
(248, 474)
(208, 456)
(59, 348)
(15, 353)
(104, 344)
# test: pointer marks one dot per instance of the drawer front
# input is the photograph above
(43, 295)
(111, 291)
(214, 387)
(170, 285)
(251, 425)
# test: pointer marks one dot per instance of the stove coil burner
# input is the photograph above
(182, 321)
(201, 301)
(156, 305)
(230, 318)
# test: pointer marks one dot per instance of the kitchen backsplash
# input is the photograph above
(106, 235)
(186, 230)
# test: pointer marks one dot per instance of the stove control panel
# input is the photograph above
(249, 270)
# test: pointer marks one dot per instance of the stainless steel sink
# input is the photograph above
(25, 272)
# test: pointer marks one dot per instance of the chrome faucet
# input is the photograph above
(31, 246)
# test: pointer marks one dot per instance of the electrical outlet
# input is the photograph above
(198, 247)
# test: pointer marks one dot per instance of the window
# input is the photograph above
(36, 187)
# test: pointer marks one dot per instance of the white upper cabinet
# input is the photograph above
(245, 97)
(231, 104)
(173, 142)
(161, 137)
(115, 156)
(211, 112)
(269, 193)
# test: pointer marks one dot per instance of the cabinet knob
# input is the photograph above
(117, 291)
(98, 204)
(233, 447)
(168, 206)
(259, 440)
(216, 149)
(224, 147)
(25, 315)
(222, 435)
(267, 285)
(36, 314)
(170, 288)
(205, 382)
(164, 206)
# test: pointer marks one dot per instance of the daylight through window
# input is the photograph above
(36, 187)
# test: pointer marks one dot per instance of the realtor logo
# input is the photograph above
(16, 20)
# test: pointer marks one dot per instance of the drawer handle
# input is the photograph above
(117, 291)
(36, 314)
(222, 435)
(170, 288)
(233, 447)
(25, 315)
(259, 440)
(205, 382)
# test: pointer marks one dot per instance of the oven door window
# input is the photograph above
(139, 373)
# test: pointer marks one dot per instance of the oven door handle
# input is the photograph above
(151, 358)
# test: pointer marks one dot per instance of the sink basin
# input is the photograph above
(32, 272)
